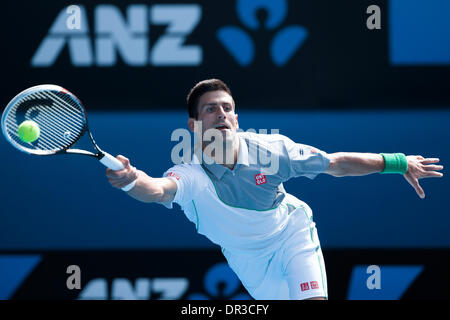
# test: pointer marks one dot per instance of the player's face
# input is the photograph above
(216, 111)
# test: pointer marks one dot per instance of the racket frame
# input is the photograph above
(104, 157)
(66, 149)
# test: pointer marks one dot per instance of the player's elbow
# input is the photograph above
(149, 196)
(155, 194)
(161, 190)
(147, 189)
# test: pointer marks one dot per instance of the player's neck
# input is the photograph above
(226, 157)
(235, 151)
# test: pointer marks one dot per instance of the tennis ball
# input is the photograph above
(29, 131)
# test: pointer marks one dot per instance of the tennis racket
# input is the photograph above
(62, 121)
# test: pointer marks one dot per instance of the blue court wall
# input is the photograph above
(65, 202)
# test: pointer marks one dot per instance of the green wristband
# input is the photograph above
(395, 163)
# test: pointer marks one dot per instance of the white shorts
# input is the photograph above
(294, 271)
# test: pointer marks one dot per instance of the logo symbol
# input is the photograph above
(304, 286)
(239, 43)
(221, 283)
(314, 285)
(260, 179)
(173, 174)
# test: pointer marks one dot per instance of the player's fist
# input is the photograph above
(123, 177)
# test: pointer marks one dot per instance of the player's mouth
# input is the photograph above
(221, 126)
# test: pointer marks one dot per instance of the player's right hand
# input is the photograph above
(124, 177)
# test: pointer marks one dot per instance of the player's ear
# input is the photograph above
(191, 123)
(237, 123)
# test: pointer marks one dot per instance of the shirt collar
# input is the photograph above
(219, 170)
(243, 152)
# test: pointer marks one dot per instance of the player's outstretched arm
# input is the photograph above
(343, 164)
(147, 189)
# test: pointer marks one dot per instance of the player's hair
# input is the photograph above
(201, 88)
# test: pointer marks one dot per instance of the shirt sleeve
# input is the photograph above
(187, 184)
(305, 160)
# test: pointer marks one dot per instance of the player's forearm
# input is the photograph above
(147, 189)
(357, 164)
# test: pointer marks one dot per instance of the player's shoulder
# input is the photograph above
(262, 138)
(187, 167)
(188, 170)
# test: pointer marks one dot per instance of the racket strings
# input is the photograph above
(68, 122)
(48, 139)
(60, 123)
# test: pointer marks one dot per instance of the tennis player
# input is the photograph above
(267, 235)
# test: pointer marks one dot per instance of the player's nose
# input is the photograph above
(221, 113)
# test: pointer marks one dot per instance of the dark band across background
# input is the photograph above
(274, 54)
(177, 274)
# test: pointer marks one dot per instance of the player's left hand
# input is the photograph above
(420, 167)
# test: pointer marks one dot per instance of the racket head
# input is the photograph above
(60, 115)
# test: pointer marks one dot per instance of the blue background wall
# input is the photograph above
(65, 202)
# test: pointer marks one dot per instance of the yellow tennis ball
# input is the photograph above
(29, 131)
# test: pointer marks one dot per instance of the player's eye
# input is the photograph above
(227, 107)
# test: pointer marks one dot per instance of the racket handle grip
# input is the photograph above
(114, 164)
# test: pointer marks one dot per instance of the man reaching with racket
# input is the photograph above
(267, 235)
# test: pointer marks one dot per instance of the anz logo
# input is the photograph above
(143, 289)
(127, 35)
(220, 283)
